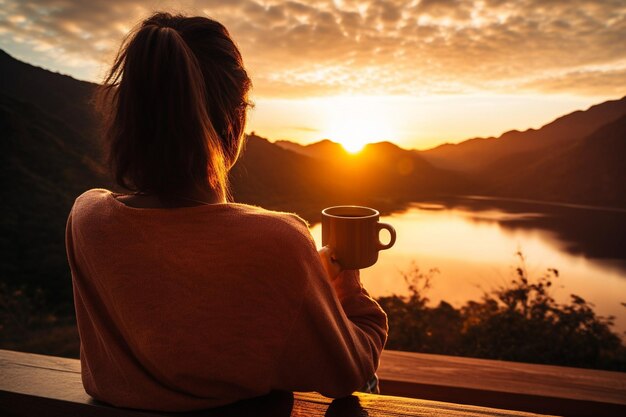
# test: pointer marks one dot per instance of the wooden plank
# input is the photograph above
(522, 386)
(44, 385)
(383, 405)
(514, 377)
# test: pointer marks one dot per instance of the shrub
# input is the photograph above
(517, 322)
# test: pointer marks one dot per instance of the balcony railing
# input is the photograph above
(38, 385)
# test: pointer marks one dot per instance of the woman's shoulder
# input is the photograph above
(90, 205)
(99, 205)
(281, 240)
(284, 224)
(90, 199)
(94, 194)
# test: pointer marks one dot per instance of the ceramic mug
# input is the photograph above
(352, 232)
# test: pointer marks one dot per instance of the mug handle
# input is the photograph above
(392, 234)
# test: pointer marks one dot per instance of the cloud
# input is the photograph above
(588, 81)
(297, 48)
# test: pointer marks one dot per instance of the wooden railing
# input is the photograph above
(38, 385)
(510, 385)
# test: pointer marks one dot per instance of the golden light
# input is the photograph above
(354, 133)
(356, 121)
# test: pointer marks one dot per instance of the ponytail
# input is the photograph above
(157, 117)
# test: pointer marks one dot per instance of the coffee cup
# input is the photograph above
(352, 233)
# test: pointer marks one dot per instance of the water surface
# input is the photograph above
(473, 243)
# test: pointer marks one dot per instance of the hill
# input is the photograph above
(589, 170)
(305, 179)
(478, 154)
(381, 169)
(275, 178)
(60, 96)
(45, 164)
(324, 149)
(50, 155)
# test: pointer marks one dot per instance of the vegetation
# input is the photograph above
(29, 323)
(517, 322)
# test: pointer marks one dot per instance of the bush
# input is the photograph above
(517, 322)
(28, 324)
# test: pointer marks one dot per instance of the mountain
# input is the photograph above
(290, 146)
(576, 158)
(380, 169)
(60, 96)
(45, 164)
(324, 149)
(50, 154)
(276, 178)
(305, 179)
(590, 170)
(475, 155)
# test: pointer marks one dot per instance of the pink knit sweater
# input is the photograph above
(195, 307)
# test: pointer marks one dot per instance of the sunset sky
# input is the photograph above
(417, 73)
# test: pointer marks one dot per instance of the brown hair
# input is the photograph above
(174, 106)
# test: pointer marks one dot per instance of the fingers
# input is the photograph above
(333, 269)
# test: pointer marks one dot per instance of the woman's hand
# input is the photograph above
(330, 263)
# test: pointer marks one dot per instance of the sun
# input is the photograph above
(354, 133)
(353, 147)
(354, 122)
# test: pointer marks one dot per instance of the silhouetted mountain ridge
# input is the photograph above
(590, 170)
(314, 176)
(478, 154)
(323, 149)
(45, 165)
(58, 95)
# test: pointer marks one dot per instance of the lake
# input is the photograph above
(473, 241)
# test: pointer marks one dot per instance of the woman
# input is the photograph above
(183, 299)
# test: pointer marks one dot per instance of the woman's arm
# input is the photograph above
(334, 343)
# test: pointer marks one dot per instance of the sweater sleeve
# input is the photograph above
(334, 343)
